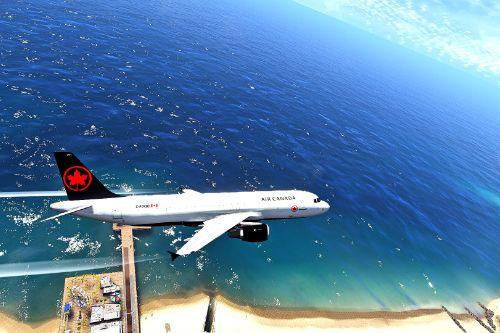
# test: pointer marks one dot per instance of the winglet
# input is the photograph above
(173, 255)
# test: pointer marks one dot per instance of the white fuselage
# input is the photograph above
(194, 207)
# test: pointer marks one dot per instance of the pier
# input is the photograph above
(480, 322)
(130, 305)
(455, 320)
(209, 318)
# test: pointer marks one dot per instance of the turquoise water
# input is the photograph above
(230, 97)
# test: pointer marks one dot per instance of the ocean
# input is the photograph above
(250, 95)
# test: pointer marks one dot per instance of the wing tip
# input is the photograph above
(173, 255)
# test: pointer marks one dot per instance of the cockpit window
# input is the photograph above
(316, 200)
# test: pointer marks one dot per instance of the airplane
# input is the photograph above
(239, 214)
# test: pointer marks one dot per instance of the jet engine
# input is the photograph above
(250, 233)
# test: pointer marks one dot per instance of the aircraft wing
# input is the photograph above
(211, 229)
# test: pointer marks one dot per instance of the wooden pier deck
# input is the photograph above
(131, 307)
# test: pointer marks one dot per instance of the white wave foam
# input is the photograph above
(26, 220)
(77, 244)
(169, 232)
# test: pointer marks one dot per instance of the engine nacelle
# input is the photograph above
(250, 233)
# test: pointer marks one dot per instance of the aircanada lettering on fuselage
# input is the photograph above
(289, 197)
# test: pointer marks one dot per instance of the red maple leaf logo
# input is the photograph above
(77, 178)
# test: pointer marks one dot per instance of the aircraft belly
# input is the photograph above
(165, 218)
(158, 216)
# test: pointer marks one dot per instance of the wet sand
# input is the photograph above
(187, 314)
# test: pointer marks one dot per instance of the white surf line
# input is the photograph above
(64, 266)
(32, 194)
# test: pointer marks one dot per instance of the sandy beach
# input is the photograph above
(188, 315)
(231, 317)
(174, 315)
(8, 324)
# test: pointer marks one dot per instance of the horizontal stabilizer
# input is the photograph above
(71, 211)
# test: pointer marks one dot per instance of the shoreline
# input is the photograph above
(187, 313)
(10, 324)
(303, 313)
(282, 312)
(232, 317)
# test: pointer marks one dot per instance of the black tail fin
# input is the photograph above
(78, 181)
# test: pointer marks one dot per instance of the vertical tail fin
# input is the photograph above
(78, 180)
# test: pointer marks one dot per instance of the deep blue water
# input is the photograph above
(219, 96)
